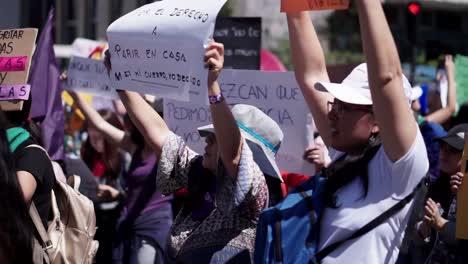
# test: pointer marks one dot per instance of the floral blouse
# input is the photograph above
(228, 227)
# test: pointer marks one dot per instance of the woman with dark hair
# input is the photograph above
(146, 217)
(226, 186)
(107, 164)
(16, 229)
(378, 153)
(32, 165)
(99, 153)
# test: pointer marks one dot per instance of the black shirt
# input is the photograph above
(36, 162)
(441, 193)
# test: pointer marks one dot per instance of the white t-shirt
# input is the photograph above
(389, 182)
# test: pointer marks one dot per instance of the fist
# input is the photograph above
(214, 60)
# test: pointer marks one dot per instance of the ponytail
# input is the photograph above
(344, 170)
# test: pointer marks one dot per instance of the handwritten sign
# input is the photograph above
(462, 197)
(276, 94)
(159, 48)
(242, 39)
(9, 64)
(301, 5)
(14, 92)
(15, 43)
(89, 76)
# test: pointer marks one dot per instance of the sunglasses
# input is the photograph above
(340, 107)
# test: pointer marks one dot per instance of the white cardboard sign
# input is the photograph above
(159, 48)
(275, 93)
(89, 76)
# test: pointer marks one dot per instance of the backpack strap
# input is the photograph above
(39, 147)
(278, 246)
(371, 225)
(74, 181)
(277, 226)
(310, 207)
(36, 219)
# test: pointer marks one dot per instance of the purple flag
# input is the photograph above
(46, 91)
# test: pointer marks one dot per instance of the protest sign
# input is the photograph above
(242, 39)
(301, 5)
(14, 92)
(8, 64)
(275, 93)
(82, 47)
(89, 76)
(159, 48)
(461, 78)
(16, 49)
(462, 197)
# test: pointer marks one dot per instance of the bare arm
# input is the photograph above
(310, 68)
(28, 185)
(391, 108)
(442, 115)
(227, 132)
(146, 119)
(150, 124)
(113, 134)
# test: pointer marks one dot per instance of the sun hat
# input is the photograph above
(262, 134)
(355, 87)
(456, 136)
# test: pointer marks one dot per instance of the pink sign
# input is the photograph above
(9, 64)
(14, 92)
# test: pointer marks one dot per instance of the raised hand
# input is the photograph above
(456, 181)
(316, 156)
(107, 61)
(432, 215)
(214, 60)
(449, 65)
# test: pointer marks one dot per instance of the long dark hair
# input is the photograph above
(111, 156)
(135, 134)
(20, 118)
(344, 170)
(16, 229)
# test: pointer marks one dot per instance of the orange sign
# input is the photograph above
(301, 5)
(462, 197)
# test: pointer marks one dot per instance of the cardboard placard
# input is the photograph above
(242, 39)
(302, 5)
(159, 48)
(16, 43)
(275, 93)
(462, 197)
(14, 92)
(8, 64)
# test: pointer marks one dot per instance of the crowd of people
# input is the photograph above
(158, 201)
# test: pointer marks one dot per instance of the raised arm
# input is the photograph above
(391, 108)
(442, 115)
(110, 132)
(310, 67)
(150, 124)
(146, 119)
(227, 132)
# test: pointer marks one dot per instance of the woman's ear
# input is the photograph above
(375, 129)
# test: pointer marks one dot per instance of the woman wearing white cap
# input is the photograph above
(370, 106)
(226, 186)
